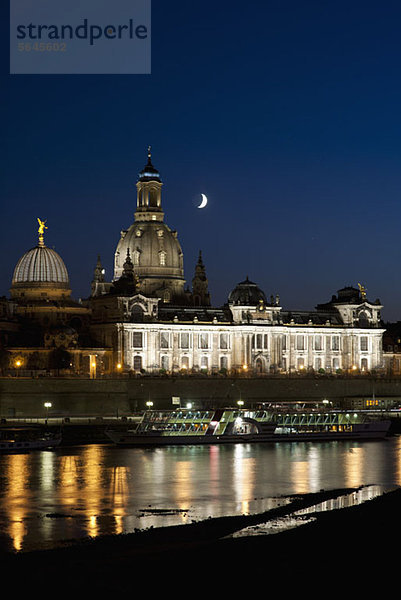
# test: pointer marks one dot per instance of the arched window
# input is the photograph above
(137, 314)
(363, 319)
(223, 362)
(259, 365)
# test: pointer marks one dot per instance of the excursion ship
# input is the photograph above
(228, 425)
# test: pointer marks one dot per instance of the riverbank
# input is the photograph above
(346, 547)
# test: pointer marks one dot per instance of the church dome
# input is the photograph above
(153, 247)
(154, 250)
(246, 293)
(40, 265)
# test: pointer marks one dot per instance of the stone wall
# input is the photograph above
(117, 397)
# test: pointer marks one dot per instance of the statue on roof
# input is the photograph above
(362, 291)
(42, 227)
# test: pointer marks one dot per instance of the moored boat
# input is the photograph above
(24, 439)
(276, 424)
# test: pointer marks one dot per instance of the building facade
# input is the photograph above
(147, 320)
(154, 324)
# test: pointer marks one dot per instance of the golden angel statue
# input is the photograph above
(362, 290)
(42, 227)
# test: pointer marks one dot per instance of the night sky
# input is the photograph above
(287, 114)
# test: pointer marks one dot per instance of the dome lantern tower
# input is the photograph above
(149, 188)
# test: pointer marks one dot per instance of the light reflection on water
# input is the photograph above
(307, 515)
(48, 497)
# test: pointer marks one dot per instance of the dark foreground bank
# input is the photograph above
(343, 550)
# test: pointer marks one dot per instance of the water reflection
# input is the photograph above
(47, 498)
(307, 515)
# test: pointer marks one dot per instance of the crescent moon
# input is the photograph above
(204, 201)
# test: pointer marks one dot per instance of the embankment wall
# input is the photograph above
(68, 397)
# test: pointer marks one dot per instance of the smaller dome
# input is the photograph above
(41, 265)
(246, 293)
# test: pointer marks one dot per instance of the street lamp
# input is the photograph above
(47, 405)
(149, 403)
(18, 364)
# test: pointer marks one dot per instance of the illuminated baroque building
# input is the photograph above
(153, 323)
(147, 320)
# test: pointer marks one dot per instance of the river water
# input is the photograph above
(50, 497)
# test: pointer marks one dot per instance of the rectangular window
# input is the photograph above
(204, 341)
(165, 363)
(164, 339)
(259, 341)
(184, 340)
(364, 343)
(318, 343)
(223, 362)
(137, 363)
(137, 339)
(184, 362)
(300, 342)
(223, 341)
(335, 342)
(284, 342)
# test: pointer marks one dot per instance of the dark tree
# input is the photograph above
(59, 358)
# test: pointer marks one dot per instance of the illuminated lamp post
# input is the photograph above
(47, 405)
(18, 364)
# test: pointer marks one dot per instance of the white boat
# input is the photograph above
(24, 439)
(184, 426)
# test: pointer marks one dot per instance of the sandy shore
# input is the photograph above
(350, 546)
